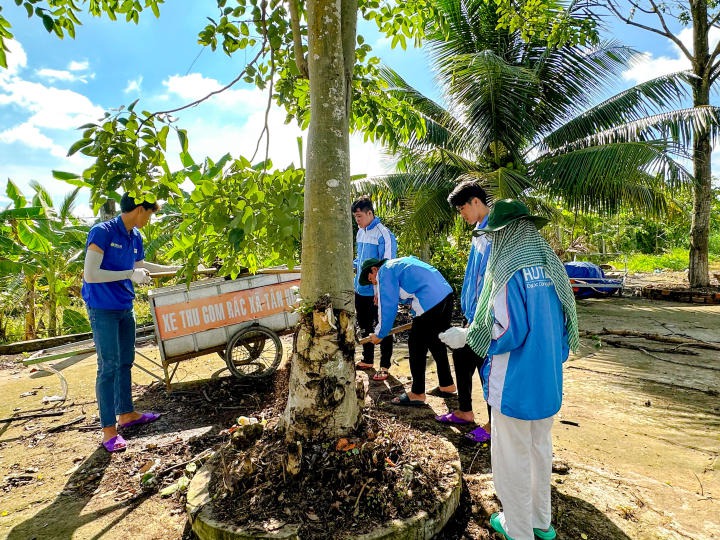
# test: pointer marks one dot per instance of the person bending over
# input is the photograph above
(410, 280)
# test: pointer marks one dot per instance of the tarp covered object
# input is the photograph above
(588, 280)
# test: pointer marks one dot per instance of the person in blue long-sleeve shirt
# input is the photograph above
(470, 200)
(373, 241)
(410, 280)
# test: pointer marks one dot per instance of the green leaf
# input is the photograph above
(48, 23)
(182, 137)
(169, 490)
(78, 145)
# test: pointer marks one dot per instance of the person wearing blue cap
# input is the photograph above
(526, 324)
(410, 280)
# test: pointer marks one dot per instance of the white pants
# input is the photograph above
(521, 456)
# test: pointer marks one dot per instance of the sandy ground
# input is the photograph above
(636, 442)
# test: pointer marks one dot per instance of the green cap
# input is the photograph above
(367, 265)
(506, 211)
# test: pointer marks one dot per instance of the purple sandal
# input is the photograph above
(451, 418)
(145, 418)
(116, 444)
(478, 435)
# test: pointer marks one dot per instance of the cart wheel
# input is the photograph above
(253, 352)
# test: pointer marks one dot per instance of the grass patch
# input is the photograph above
(674, 260)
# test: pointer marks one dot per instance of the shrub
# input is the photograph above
(450, 262)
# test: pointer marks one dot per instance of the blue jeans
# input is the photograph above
(114, 336)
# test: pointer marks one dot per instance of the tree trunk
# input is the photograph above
(30, 328)
(108, 210)
(323, 400)
(702, 193)
(52, 310)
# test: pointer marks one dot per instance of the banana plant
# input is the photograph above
(47, 246)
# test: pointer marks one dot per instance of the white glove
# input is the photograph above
(454, 337)
(141, 276)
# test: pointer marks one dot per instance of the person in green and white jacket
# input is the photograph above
(526, 323)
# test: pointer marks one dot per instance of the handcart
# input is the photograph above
(239, 319)
(595, 280)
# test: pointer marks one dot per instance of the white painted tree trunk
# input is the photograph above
(323, 395)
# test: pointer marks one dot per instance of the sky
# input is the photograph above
(53, 86)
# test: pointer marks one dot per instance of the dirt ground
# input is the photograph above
(636, 442)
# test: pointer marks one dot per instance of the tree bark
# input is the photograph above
(323, 399)
(30, 324)
(107, 210)
(52, 310)
(698, 275)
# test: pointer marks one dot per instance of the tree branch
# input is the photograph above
(665, 32)
(208, 96)
(266, 129)
(300, 61)
(713, 56)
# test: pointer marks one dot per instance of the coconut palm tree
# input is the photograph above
(522, 119)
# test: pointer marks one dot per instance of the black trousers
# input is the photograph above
(367, 317)
(466, 363)
(423, 337)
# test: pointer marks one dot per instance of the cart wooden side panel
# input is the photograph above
(193, 321)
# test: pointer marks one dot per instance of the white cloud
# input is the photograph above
(368, 158)
(83, 210)
(27, 134)
(192, 86)
(49, 107)
(75, 65)
(71, 74)
(233, 120)
(16, 59)
(133, 86)
(195, 86)
(52, 75)
(649, 66)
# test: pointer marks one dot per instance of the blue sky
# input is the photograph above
(53, 86)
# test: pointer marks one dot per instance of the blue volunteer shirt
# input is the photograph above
(407, 280)
(121, 249)
(373, 242)
(475, 272)
(523, 374)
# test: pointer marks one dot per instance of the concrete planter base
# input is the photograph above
(424, 525)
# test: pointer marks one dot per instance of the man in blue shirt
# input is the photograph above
(470, 200)
(410, 280)
(114, 260)
(374, 241)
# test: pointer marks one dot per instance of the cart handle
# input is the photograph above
(204, 271)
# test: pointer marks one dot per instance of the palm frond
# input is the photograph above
(636, 103)
(676, 129)
(440, 126)
(601, 178)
